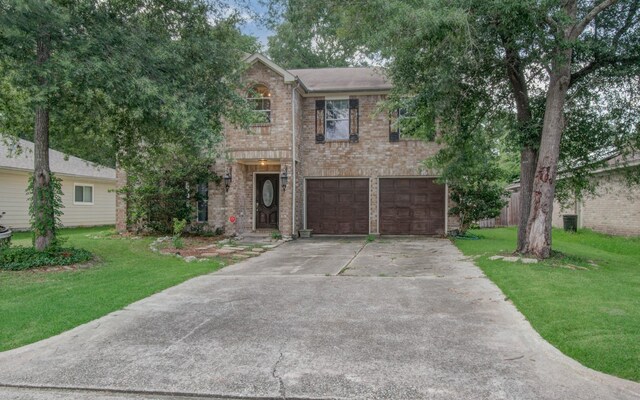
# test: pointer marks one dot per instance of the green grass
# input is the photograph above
(591, 313)
(35, 305)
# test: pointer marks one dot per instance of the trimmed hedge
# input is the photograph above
(20, 258)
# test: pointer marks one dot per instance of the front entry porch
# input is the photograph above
(259, 199)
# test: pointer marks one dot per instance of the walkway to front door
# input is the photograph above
(267, 201)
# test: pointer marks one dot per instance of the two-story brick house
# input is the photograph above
(347, 170)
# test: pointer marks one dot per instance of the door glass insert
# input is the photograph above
(267, 193)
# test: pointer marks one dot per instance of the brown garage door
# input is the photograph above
(338, 206)
(411, 206)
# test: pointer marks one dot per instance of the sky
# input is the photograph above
(249, 9)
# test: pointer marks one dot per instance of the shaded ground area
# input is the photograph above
(275, 326)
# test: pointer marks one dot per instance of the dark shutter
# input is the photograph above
(319, 121)
(394, 127)
(354, 120)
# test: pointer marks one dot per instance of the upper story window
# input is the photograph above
(401, 123)
(337, 119)
(260, 97)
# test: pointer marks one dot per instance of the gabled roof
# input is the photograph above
(59, 163)
(288, 77)
(349, 79)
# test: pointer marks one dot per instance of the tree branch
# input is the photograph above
(600, 63)
(580, 26)
(633, 9)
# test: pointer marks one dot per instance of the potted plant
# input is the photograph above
(5, 234)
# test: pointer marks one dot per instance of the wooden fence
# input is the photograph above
(509, 216)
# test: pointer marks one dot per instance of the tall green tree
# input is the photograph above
(548, 67)
(308, 38)
(112, 76)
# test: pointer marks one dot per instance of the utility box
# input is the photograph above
(570, 222)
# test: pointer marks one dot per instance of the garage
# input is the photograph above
(338, 206)
(411, 206)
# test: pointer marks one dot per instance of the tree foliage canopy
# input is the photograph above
(122, 74)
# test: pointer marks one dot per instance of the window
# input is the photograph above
(83, 194)
(260, 97)
(337, 120)
(400, 123)
(203, 202)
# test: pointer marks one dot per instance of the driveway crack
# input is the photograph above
(346, 266)
(274, 372)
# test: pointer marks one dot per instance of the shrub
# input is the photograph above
(20, 258)
(163, 185)
(178, 227)
(276, 235)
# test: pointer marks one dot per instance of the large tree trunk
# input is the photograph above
(528, 159)
(544, 183)
(528, 154)
(43, 212)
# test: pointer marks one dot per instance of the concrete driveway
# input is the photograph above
(313, 319)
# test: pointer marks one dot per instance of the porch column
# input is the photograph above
(286, 198)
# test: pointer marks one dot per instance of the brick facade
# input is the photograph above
(271, 147)
(615, 209)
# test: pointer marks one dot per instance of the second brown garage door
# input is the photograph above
(411, 206)
(338, 206)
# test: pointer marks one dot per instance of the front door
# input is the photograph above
(267, 201)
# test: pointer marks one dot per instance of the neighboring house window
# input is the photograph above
(337, 120)
(83, 194)
(203, 202)
(260, 97)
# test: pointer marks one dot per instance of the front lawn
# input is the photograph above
(586, 303)
(35, 305)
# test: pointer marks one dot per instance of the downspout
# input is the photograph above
(293, 157)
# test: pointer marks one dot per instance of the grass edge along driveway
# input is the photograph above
(35, 305)
(585, 302)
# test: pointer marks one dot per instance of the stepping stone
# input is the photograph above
(258, 250)
(496, 258)
(234, 248)
(209, 254)
(529, 260)
(225, 251)
(252, 253)
(211, 246)
(270, 246)
(510, 259)
(241, 256)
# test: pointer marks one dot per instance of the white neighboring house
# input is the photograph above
(88, 189)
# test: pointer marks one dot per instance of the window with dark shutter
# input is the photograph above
(354, 120)
(394, 126)
(320, 123)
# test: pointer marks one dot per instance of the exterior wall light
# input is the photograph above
(284, 177)
(227, 179)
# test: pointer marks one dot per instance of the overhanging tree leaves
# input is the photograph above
(116, 76)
